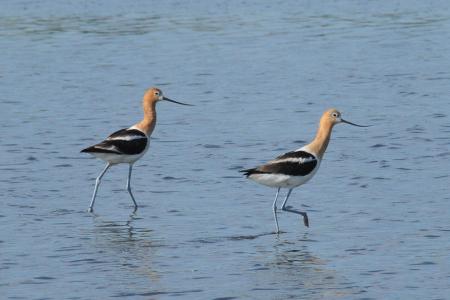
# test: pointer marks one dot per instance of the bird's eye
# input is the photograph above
(157, 93)
(335, 115)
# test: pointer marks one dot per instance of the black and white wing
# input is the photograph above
(294, 163)
(123, 142)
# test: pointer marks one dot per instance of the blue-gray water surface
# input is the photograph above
(260, 74)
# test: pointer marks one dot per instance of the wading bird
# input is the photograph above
(295, 168)
(129, 144)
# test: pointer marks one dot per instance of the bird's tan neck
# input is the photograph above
(147, 125)
(320, 143)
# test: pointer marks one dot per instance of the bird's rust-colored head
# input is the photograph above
(153, 95)
(332, 117)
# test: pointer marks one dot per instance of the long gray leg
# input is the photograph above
(275, 210)
(97, 183)
(129, 187)
(289, 209)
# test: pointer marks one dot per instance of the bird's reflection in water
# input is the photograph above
(129, 246)
(299, 270)
(289, 253)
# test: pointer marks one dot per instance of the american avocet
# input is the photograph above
(295, 168)
(129, 144)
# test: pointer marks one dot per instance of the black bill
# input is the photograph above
(343, 121)
(170, 100)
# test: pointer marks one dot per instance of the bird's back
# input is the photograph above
(289, 169)
(123, 146)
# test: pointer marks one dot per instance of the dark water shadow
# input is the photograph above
(251, 236)
(244, 237)
(151, 294)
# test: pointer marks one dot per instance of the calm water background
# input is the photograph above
(260, 75)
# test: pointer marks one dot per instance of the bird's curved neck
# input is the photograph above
(149, 121)
(320, 143)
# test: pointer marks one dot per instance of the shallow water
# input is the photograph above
(260, 76)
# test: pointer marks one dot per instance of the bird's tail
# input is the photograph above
(88, 149)
(248, 172)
